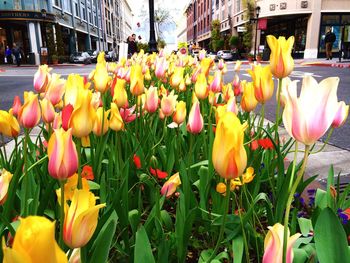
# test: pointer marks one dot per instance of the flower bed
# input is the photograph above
(153, 159)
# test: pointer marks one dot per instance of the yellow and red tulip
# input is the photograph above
(180, 113)
(55, 89)
(16, 106)
(8, 124)
(115, 122)
(170, 186)
(29, 114)
(308, 117)
(5, 179)
(168, 104)
(195, 120)
(136, 80)
(34, 242)
(216, 84)
(248, 102)
(42, 78)
(229, 155)
(101, 123)
(48, 111)
(273, 245)
(281, 61)
(62, 153)
(263, 83)
(81, 219)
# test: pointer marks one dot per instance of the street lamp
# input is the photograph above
(152, 37)
(255, 20)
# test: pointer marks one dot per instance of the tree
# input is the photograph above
(215, 41)
(51, 46)
(234, 41)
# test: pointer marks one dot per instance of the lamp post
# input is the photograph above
(152, 37)
(256, 19)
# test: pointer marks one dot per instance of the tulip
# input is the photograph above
(248, 102)
(56, 89)
(221, 64)
(180, 113)
(168, 104)
(201, 87)
(170, 186)
(101, 123)
(73, 86)
(81, 219)
(120, 97)
(83, 116)
(342, 114)
(42, 78)
(161, 67)
(195, 74)
(195, 120)
(263, 83)
(281, 61)
(66, 114)
(177, 77)
(237, 67)
(29, 114)
(136, 80)
(48, 111)
(308, 117)
(70, 186)
(63, 156)
(57, 121)
(229, 155)
(151, 100)
(101, 78)
(115, 122)
(5, 179)
(216, 84)
(16, 106)
(127, 114)
(35, 242)
(273, 245)
(8, 124)
(206, 63)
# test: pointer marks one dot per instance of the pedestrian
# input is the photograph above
(329, 40)
(190, 48)
(8, 57)
(17, 53)
(132, 45)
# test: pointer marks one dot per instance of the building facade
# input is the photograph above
(83, 24)
(126, 19)
(306, 20)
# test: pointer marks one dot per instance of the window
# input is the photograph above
(29, 5)
(90, 15)
(66, 5)
(56, 3)
(82, 10)
(95, 19)
(76, 8)
(17, 4)
(238, 6)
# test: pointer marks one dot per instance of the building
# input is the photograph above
(82, 24)
(126, 19)
(181, 28)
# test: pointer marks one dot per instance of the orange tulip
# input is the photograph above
(81, 219)
(42, 78)
(16, 106)
(63, 156)
(29, 114)
(281, 61)
(263, 83)
(34, 242)
(136, 80)
(229, 155)
(8, 124)
(116, 122)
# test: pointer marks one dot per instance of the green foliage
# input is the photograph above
(51, 46)
(234, 41)
(215, 41)
(59, 40)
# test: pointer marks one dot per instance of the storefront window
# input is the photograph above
(345, 20)
(330, 19)
(43, 4)
(337, 31)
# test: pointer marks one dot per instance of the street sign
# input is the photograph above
(241, 29)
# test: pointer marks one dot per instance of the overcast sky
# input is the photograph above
(141, 7)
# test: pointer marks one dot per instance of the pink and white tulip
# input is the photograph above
(195, 119)
(341, 116)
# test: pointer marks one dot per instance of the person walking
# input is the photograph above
(8, 57)
(17, 53)
(132, 45)
(329, 40)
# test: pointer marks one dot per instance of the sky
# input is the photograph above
(140, 11)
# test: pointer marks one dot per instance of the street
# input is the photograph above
(16, 80)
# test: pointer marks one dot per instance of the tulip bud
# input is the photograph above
(29, 114)
(195, 120)
(48, 111)
(5, 179)
(170, 186)
(116, 122)
(42, 78)
(151, 100)
(8, 124)
(16, 106)
(341, 116)
(101, 123)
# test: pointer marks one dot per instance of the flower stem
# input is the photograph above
(62, 214)
(290, 198)
(26, 179)
(3, 145)
(261, 119)
(222, 227)
(80, 181)
(278, 107)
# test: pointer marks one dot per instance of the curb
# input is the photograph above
(320, 64)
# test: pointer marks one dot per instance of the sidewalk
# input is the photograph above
(5, 67)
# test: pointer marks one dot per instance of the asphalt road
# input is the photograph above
(14, 81)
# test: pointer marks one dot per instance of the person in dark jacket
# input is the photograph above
(329, 40)
(8, 56)
(17, 53)
(132, 45)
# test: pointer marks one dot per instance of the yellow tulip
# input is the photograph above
(180, 113)
(34, 242)
(206, 63)
(120, 96)
(116, 122)
(248, 102)
(74, 84)
(5, 179)
(101, 78)
(48, 111)
(101, 123)
(9, 125)
(168, 104)
(263, 83)
(177, 77)
(81, 219)
(170, 186)
(229, 155)
(281, 61)
(136, 80)
(201, 87)
(70, 186)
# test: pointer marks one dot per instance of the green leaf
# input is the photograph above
(300, 256)
(321, 199)
(330, 238)
(103, 241)
(134, 219)
(237, 248)
(305, 226)
(143, 250)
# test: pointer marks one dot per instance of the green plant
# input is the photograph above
(234, 40)
(59, 40)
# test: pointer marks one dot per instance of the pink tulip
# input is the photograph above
(195, 119)
(216, 85)
(308, 117)
(151, 101)
(169, 187)
(168, 104)
(342, 114)
(29, 114)
(16, 106)
(63, 156)
(161, 67)
(127, 114)
(273, 245)
(42, 79)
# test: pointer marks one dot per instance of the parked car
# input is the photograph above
(93, 55)
(110, 56)
(225, 55)
(80, 57)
